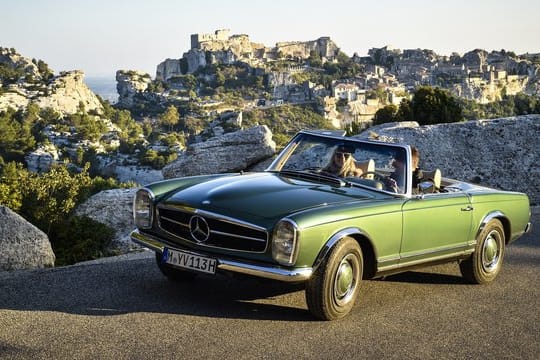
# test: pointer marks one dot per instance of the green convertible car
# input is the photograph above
(329, 211)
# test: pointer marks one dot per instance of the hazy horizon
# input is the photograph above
(104, 36)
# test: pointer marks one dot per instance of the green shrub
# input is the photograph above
(80, 239)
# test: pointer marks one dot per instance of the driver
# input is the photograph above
(342, 163)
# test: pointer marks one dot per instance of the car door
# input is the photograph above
(435, 226)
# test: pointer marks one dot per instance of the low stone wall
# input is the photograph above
(500, 153)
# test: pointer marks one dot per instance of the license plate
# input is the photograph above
(190, 261)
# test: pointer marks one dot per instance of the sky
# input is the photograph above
(100, 37)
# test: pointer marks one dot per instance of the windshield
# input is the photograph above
(378, 165)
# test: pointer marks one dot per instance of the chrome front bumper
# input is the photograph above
(236, 266)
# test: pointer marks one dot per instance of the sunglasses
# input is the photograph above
(344, 155)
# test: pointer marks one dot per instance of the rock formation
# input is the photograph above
(129, 84)
(231, 152)
(23, 245)
(63, 94)
(67, 92)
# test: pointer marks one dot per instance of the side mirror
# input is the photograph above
(426, 187)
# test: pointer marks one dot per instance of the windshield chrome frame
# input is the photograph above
(287, 151)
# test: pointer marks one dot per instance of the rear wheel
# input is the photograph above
(486, 262)
(172, 273)
(333, 287)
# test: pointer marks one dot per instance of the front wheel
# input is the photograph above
(333, 287)
(485, 263)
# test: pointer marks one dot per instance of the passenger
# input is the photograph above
(417, 175)
(342, 163)
(397, 180)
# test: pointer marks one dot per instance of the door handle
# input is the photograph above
(467, 208)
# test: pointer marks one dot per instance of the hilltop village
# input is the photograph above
(385, 76)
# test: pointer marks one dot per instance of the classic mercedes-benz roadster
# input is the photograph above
(329, 211)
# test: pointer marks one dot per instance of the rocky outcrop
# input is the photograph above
(500, 153)
(64, 94)
(11, 59)
(128, 84)
(23, 245)
(41, 159)
(114, 209)
(231, 152)
(67, 92)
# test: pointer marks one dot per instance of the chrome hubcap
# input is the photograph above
(346, 279)
(491, 251)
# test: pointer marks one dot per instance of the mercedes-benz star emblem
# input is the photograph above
(199, 229)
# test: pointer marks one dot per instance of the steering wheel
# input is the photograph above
(376, 176)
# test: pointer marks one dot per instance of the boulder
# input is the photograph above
(114, 209)
(23, 245)
(500, 153)
(231, 152)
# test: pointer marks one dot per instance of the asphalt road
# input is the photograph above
(125, 309)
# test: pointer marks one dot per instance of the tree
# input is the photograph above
(434, 105)
(315, 59)
(170, 117)
(385, 115)
(405, 112)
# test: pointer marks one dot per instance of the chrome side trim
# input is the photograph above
(243, 267)
(333, 240)
(425, 261)
(458, 249)
(487, 219)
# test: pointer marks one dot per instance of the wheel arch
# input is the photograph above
(363, 240)
(496, 215)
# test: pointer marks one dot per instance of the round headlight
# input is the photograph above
(142, 209)
(284, 242)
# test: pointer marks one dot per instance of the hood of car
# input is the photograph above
(263, 195)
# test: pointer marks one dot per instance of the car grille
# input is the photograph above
(221, 232)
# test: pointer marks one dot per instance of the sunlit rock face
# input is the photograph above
(231, 152)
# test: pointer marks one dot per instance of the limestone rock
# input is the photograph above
(67, 91)
(129, 83)
(229, 153)
(23, 245)
(41, 159)
(500, 153)
(114, 209)
(63, 94)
